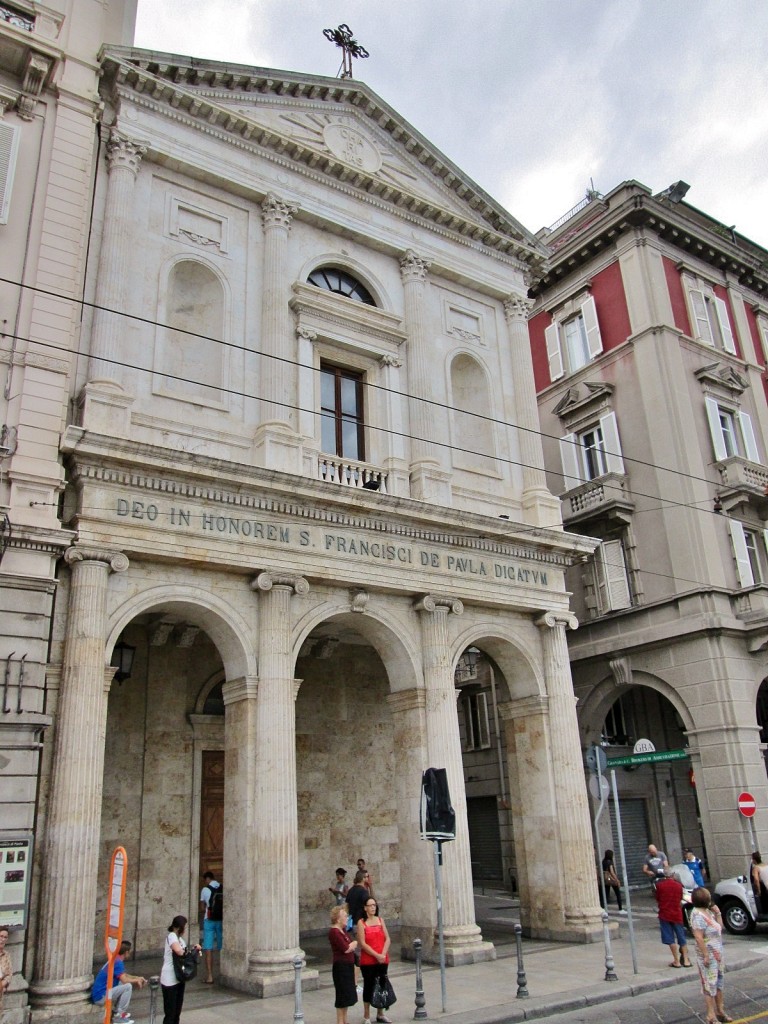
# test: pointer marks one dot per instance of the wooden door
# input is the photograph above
(212, 814)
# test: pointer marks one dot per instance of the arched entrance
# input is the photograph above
(658, 800)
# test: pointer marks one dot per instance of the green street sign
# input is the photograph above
(657, 755)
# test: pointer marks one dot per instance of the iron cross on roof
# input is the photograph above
(342, 36)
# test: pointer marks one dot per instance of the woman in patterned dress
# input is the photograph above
(707, 928)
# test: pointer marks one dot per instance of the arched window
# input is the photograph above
(332, 279)
(473, 430)
(192, 362)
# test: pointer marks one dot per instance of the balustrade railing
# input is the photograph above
(346, 473)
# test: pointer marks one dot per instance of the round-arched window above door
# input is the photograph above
(332, 279)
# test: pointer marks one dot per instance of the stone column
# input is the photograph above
(395, 462)
(534, 809)
(418, 915)
(277, 329)
(104, 404)
(464, 943)
(582, 911)
(541, 508)
(240, 747)
(428, 481)
(63, 965)
(109, 328)
(275, 836)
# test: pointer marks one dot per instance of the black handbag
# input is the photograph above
(383, 994)
(185, 966)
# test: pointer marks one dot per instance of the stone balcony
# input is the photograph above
(605, 497)
(348, 473)
(742, 483)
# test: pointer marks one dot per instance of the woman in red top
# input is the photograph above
(343, 969)
(373, 939)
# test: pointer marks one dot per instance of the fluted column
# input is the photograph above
(275, 839)
(580, 894)
(240, 776)
(395, 423)
(123, 160)
(70, 858)
(414, 270)
(418, 915)
(462, 935)
(541, 506)
(277, 330)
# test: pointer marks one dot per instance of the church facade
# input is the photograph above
(300, 476)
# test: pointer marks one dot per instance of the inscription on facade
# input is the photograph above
(335, 542)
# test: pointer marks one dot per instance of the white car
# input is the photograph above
(737, 904)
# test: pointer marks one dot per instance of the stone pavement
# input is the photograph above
(561, 977)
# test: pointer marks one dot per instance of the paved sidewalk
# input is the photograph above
(560, 977)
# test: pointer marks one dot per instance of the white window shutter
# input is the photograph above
(484, 739)
(729, 344)
(589, 314)
(9, 148)
(612, 446)
(614, 582)
(763, 327)
(748, 437)
(743, 568)
(713, 415)
(554, 355)
(569, 454)
(702, 329)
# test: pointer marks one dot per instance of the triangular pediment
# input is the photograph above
(582, 396)
(722, 376)
(336, 127)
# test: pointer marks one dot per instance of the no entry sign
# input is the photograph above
(746, 804)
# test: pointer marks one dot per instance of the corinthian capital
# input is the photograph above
(517, 307)
(123, 152)
(267, 580)
(276, 212)
(116, 560)
(413, 267)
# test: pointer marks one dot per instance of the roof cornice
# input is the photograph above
(189, 86)
(574, 245)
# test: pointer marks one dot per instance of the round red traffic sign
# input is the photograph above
(746, 804)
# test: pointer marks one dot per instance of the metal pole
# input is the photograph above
(298, 1014)
(439, 894)
(624, 877)
(522, 981)
(154, 986)
(420, 1013)
(610, 967)
(599, 777)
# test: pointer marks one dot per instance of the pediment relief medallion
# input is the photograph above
(722, 378)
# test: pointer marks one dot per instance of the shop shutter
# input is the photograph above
(484, 838)
(634, 828)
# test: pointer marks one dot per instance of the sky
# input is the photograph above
(534, 99)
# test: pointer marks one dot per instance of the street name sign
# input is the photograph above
(650, 758)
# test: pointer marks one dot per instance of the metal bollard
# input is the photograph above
(154, 987)
(522, 982)
(298, 1013)
(610, 967)
(420, 1012)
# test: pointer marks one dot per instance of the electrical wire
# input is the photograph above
(445, 407)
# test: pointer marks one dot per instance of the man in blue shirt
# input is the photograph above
(695, 866)
(122, 987)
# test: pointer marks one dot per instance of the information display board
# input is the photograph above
(15, 874)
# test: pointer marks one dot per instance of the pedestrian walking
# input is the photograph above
(669, 895)
(343, 946)
(212, 908)
(611, 880)
(695, 866)
(707, 928)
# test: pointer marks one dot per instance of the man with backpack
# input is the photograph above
(212, 908)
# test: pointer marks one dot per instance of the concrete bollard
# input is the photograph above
(298, 1013)
(522, 981)
(154, 988)
(420, 1012)
(610, 967)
